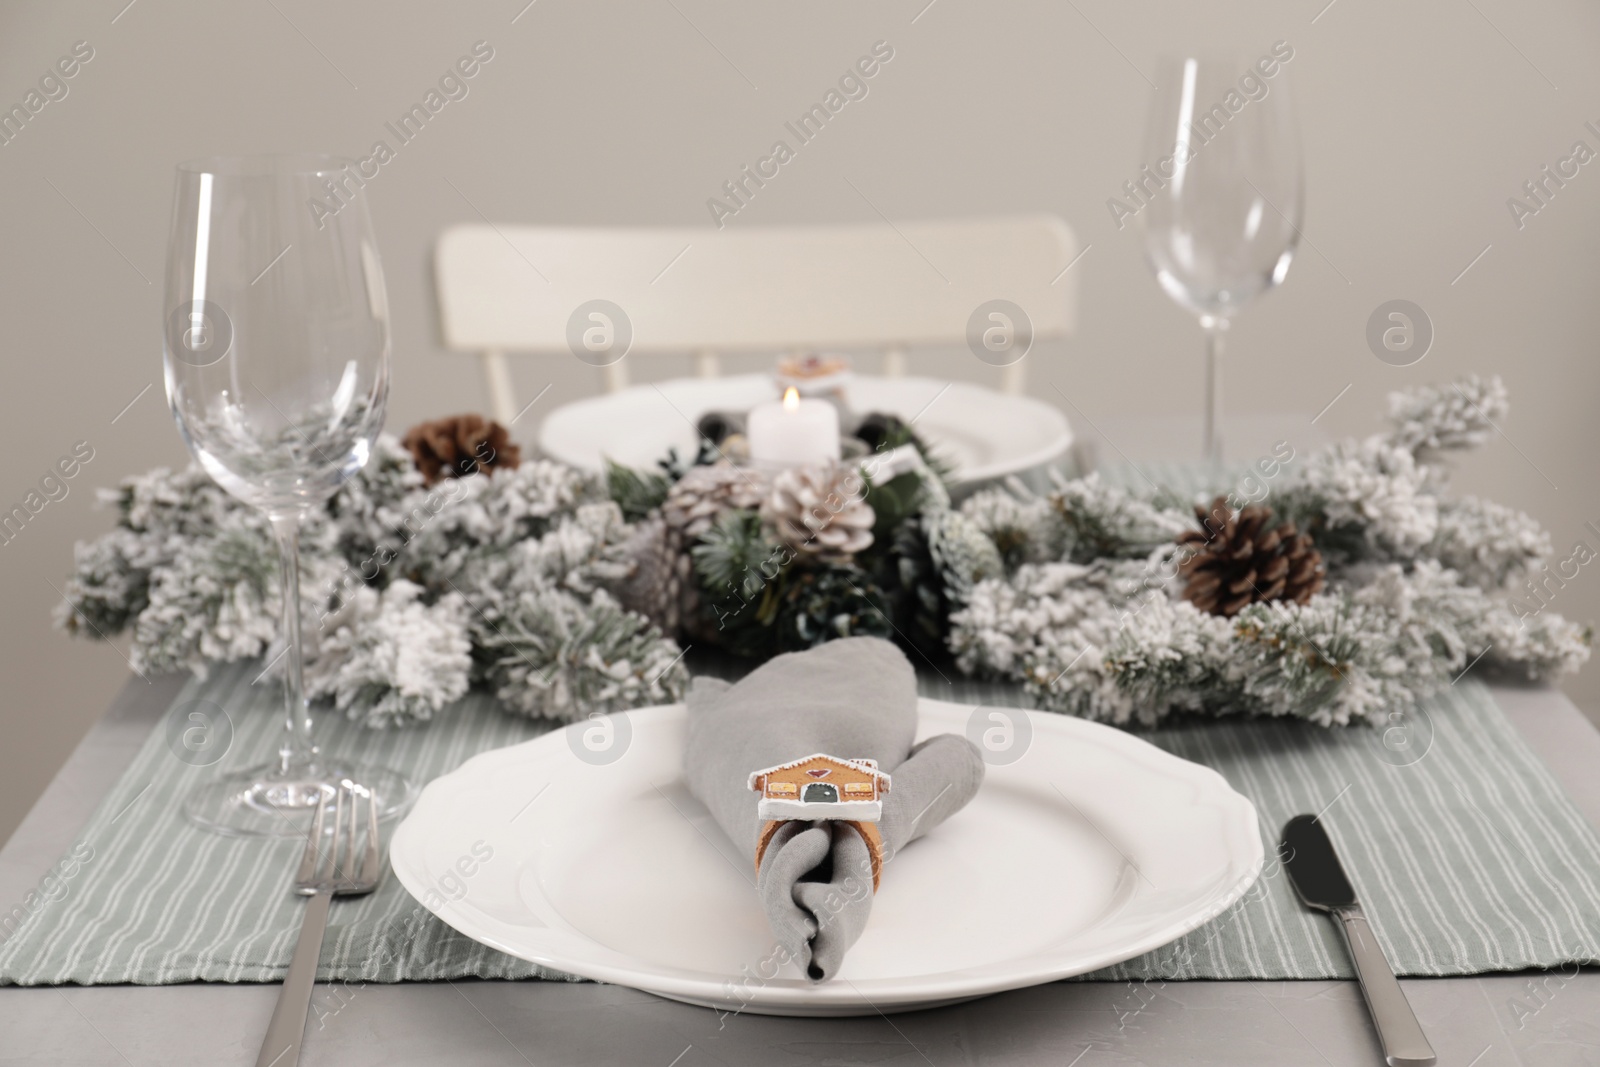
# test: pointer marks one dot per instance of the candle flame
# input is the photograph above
(791, 399)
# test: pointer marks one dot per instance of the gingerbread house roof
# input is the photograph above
(870, 766)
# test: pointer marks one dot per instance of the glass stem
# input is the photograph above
(297, 753)
(1214, 329)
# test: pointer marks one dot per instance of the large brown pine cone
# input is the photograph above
(1238, 558)
(460, 445)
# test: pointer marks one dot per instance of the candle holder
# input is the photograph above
(821, 375)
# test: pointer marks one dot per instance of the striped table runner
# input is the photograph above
(1470, 859)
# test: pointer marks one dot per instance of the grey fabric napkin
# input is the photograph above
(854, 698)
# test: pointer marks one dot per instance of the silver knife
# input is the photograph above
(1320, 881)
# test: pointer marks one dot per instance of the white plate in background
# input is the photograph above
(981, 433)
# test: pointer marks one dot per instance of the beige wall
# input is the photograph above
(1420, 120)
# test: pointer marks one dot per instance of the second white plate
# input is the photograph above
(981, 433)
(1089, 849)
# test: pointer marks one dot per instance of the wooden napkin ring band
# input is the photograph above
(867, 830)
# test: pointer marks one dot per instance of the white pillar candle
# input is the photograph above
(794, 432)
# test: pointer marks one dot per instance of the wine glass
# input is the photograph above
(1222, 194)
(277, 372)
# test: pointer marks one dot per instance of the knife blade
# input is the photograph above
(1319, 880)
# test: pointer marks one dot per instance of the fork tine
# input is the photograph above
(352, 828)
(369, 862)
(309, 858)
(336, 850)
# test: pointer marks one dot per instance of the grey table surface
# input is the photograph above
(1540, 1020)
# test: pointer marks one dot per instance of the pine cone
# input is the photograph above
(662, 586)
(459, 445)
(820, 511)
(699, 498)
(914, 589)
(1237, 559)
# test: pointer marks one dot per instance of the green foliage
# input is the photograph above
(893, 502)
(637, 493)
(737, 556)
(762, 600)
(741, 571)
(825, 602)
(675, 466)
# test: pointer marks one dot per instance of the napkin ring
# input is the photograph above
(820, 787)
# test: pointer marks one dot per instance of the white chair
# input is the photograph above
(780, 289)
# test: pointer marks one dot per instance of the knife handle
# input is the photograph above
(1404, 1043)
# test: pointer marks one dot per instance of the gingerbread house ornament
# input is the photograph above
(821, 787)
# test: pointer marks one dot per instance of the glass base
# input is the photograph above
(262, 802)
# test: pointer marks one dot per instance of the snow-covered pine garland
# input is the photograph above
(1090, 616)
(411, 593)
(516, 582)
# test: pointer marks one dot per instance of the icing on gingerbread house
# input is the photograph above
(821, 787)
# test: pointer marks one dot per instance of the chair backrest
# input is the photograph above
(751, 289)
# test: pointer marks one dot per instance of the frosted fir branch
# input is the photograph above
(583, 552)
(1331, 661)
(1024, 527)
(1102, 520)
(1445, 417)
(190, 569)
(962, 552)
(162, 503)
(391, 659)
(1539, 646)
(194, 573)
(1009, 624)
(216, 600)
(1107, 642)
(1172, 657)
(1493, 546)
(444, 528)
(1049, 627)
(549, 654)
(1070, 594)
(1363, 499)
(108, 587)
(368, 509)
(1463, 625)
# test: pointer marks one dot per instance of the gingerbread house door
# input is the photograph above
(820, 793)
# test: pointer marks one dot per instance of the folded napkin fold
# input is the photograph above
(854, 698)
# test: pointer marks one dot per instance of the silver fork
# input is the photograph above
(323, 875)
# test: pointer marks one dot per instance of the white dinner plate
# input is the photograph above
(1089, 849)
(981, 433)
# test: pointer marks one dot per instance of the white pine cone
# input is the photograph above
(820, 511)
(697, 499)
